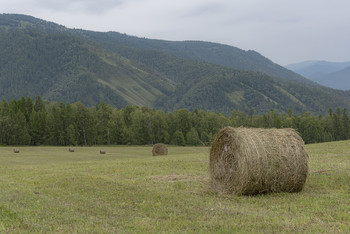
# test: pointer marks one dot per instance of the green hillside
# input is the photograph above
(58, 66)
(220, 54)
(68, 65)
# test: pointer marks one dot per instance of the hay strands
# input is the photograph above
(159, 149)
(249, 161)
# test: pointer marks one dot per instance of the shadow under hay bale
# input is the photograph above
(159, 149)
(71, 149)
(248, 161)
(16, 151)
(102, 151)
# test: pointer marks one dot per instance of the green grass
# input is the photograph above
(48, 189)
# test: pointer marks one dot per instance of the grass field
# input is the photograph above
(48, 189)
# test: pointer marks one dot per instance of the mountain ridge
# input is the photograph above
(331, 74)
(216, 53)
(70, 65)
(339, 79)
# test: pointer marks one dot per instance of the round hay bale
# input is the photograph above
(16, 151)
(71, 149)
(248, 161)
(159, 149)
(102, 151)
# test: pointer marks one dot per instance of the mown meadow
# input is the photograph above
(48, 189)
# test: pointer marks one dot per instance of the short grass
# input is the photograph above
(48, 189)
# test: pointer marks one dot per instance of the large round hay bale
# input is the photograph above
(248, 161)
(159, 149)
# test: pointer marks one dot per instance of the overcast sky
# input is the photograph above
(285, 31)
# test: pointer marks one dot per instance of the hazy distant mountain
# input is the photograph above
(68, 65)
(338, 80)
(331, 74)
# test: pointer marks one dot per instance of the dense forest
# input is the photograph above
(37, 122)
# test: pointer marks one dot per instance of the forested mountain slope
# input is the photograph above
(49, 61)
(216, 53)
(68, 65)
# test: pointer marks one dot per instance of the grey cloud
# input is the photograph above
(88, 6)
(205, 9)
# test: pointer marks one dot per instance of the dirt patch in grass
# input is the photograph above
(176, 178)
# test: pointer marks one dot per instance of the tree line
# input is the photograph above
(37, 122)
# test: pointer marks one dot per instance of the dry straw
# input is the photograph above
(248, 161)
(159, 149)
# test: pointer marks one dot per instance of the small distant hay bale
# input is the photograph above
(159, 149)
(102, 151)
(248, 161)
(16, 151)
(71, 149)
